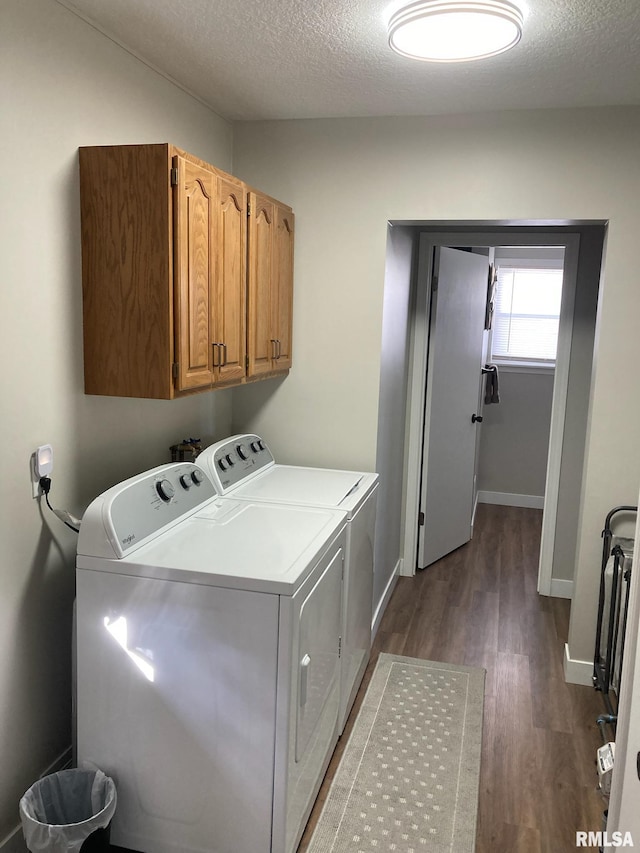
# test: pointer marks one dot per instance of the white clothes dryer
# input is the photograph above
(243, 467)
(207, 661)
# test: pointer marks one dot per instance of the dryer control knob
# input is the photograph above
(229, 459)
(197, 477)
(222, 465)
(185, 481)
(242, 451)
(254, 446)
(165, 490)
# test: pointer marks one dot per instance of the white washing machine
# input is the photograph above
(243, 467)
(207, 661)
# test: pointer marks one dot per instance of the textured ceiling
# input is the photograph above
(282, 59)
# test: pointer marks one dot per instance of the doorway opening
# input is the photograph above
(582, 245)
(493, 331)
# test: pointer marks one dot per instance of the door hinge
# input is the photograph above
(339, 647)
(174, 177)
(175, 368)
(248, 208)
(434, 283)
(421, 519)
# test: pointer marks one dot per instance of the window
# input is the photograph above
(526, 315)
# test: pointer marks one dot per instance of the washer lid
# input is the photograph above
(308, 486)
(263, 547)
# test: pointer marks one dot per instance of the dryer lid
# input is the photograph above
(307, 486)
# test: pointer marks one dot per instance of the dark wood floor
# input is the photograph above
(479, 606)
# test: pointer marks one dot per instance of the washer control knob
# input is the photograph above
(261, 444)
(222, 465)
(242, 451)
(165, 490)
(185, 481)
(197, 478)
(254, 446)
(229, 459)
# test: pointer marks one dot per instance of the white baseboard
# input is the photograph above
(14, 842)
(510, 499)
(404, 570)
(382, 604)
(60, 763)
(577, 671)
(476, 501)
(561, 588)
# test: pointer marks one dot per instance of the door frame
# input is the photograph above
(514, 235)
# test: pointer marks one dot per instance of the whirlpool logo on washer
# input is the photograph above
(128, 539)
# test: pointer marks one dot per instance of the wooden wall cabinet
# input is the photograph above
(165, 256)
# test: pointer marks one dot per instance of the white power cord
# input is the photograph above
(65, 517)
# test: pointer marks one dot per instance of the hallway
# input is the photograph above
(479, 606)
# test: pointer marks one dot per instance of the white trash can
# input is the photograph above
(68, 812)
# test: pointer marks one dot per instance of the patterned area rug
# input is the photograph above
(408, 779)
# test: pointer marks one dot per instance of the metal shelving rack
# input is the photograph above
(613, 605)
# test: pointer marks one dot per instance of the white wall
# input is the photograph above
(64, 85)
(581, 365)
(346, 177)
(514, 441)
(392, 406)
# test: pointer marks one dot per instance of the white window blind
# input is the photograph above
(526, 315)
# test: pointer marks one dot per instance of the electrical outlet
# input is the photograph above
(41, 466)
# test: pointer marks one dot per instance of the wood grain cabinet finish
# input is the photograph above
(231, 260)
(165, 258)
(271, 234)
(195, 275)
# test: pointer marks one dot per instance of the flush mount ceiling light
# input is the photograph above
(452, 31)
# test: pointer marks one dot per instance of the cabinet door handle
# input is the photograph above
(279, 349)
(223, 349)
(274, 348)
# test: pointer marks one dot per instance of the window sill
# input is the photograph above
(523, 367)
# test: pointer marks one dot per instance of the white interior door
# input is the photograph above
(452, 400)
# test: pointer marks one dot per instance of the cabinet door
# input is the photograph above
(127, 270)
(230, 281)
(194, 274)
(261, 343)
(282, 287)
